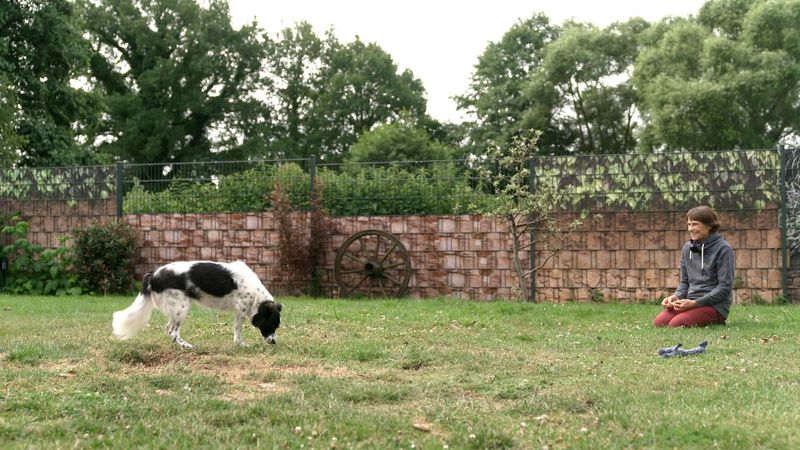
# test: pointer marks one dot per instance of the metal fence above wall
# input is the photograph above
(727, 180)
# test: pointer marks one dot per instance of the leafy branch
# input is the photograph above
(530, 211)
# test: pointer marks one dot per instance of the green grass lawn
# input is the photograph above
(397, 374)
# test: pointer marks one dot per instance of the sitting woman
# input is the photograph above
(705, 293)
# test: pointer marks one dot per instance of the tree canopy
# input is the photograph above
(327, 93)
(730, 79)
(400, 140)
(41, 113)
(178, 81)
(162, 81)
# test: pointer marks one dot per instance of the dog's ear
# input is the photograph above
(265, 311)
(258, 319)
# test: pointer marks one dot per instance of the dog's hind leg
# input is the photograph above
(177, 309)
(173, 331)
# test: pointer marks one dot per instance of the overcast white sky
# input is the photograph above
(440, 40)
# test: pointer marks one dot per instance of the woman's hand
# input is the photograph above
(668, 302)
(684, 305)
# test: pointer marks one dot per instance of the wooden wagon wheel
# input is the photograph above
(372, 263)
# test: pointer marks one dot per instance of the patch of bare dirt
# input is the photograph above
(245, 377)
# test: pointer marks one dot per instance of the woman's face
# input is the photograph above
(698, 231)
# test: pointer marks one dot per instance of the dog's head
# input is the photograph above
(268, 319)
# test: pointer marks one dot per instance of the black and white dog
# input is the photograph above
(227, 286)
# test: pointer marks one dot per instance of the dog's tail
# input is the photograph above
(130, 320)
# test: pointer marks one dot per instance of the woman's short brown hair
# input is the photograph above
(706, 215)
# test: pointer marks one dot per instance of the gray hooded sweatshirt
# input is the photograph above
(707, 273)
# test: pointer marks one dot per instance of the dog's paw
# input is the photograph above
(185, 345)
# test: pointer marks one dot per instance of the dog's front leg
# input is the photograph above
(175, 307)
(237, 329)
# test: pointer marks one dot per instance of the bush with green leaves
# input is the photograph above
(248, 190)
(631, 182)
(360, 190)
(349, 190)
(104, 256)
(33, 270)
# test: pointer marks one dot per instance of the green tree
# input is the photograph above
(494, 97)
(292, 64)
(531, 213)
(326, 93)
(400, 140)
(730, 79)
(179, 82)
(10, 142)
(586, 75)
(41, 114)
(570, 82)
(360, 87)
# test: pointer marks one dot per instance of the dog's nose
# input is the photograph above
(271, 339)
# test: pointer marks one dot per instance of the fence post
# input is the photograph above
(120, 186)
(312, 175)
(532, 248)
(783, 154)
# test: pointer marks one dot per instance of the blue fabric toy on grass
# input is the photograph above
(676, 350)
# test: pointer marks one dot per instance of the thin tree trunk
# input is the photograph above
(515, 251)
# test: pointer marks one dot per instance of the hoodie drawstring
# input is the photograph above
(702, 255)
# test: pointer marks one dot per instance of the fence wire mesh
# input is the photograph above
(727, 180)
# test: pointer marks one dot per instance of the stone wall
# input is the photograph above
(49, 220)
(635, 257)
(623, 257)
(455, 256)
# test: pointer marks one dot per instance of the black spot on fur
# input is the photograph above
(212, 279)
(208, 277)
(193, 292)
(268, 318)
(167, 279)
(148, 277)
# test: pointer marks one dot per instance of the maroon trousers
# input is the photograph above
(695, 317)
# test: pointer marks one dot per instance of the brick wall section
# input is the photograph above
(455, 256)
(462, 256)
(625, 256)
(49, 220)
(635, 257)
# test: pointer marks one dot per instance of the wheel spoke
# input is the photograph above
(353, 257)
(350, 292)
(369, 287)
(348, 272)
(392, 279)
(383, 291)
(388, 253)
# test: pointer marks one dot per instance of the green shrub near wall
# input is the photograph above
(104, 256)
(393, 190)
(32, 269)
(352, 191)
(730, 180)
